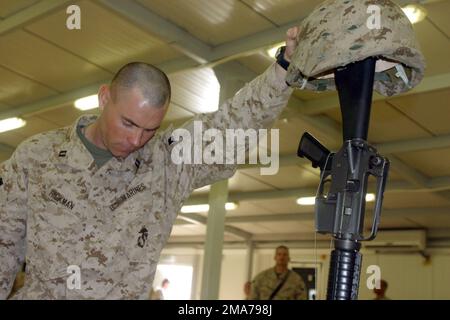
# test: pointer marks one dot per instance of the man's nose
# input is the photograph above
(135, 138)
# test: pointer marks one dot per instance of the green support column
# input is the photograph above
(231, 76)
(212, 260)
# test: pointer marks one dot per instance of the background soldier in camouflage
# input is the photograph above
(103, 194)
(292, 286)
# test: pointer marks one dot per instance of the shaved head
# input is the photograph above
(148, 79)
(132, 108)
(282, 247)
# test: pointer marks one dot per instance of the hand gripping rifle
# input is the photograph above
(340, 211)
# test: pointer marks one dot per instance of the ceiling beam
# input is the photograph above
(154, 24)
(51, 102)
(284, 161)
(29, 14)
(439, 183)
(264, 241)
(399, 146)
(433, 185)
(293, 240)
(256, 195)
(309, 216)
(199, 219)
(407, 172)
(59, 100)
(328, 125)
(433, 234)
(6, 148)
(252, 43)
(418, 144)
(281, 217)
(322, 105)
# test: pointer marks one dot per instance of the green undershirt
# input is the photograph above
(100, 156)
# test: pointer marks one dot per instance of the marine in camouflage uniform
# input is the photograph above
(58, 209)
(268, 280)
(279, 283)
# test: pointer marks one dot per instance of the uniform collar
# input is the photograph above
(74, 153)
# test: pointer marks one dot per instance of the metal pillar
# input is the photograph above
(212, 260)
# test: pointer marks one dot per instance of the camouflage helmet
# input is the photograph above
(339, 32)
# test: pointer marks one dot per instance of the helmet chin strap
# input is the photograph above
(305, 81)
(402, 74)
(383, 65)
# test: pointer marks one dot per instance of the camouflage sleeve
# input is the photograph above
(257, 105)
(13, 211)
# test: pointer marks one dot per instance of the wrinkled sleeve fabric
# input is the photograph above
(256, 106)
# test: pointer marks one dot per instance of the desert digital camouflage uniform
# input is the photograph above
(340, 32)
(267, 281)
(58, 209)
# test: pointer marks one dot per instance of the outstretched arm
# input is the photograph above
(257, 105)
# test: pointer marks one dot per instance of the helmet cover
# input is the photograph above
(340, 32)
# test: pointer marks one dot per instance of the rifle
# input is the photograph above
(340, 211)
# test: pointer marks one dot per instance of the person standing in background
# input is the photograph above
(279, 282)
(159, 293)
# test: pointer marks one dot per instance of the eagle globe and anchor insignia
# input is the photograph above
(142, 239)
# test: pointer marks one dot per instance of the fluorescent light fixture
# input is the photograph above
(195, 208)
(415, 12)
(231, 206)
(87, 103)
(11, 124)
(306, 201)
(309, 201)
(205, 207)
(370, 197)
(273, 51)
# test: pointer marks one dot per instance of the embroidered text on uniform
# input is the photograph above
(118, 202)
(59, 198)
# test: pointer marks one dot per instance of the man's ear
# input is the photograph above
(104, 96)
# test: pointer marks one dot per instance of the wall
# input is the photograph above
(410, 276)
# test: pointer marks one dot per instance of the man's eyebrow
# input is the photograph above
(134, 124)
